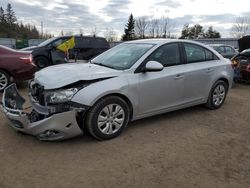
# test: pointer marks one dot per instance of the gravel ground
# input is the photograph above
(194, 147)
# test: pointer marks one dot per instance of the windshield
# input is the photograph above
(45, 43)
(122, 56)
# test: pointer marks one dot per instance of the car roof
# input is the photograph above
(219, 45)
(78, 36)
(163, 41)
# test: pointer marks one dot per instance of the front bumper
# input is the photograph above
(58, 126)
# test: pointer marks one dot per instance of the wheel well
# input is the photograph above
(225, 80)
(80, 118)
(6, 72)
(125, 98)
(41, 56)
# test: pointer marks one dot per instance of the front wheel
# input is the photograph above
(108, 118)
(217, 95)
(4, 80)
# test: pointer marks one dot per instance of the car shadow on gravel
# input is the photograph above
(137, 125)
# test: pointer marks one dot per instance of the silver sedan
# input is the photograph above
(128, 82)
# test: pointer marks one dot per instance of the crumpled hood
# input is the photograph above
(62, 75)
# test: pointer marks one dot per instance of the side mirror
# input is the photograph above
(153, 66)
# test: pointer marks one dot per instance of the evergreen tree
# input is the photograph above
(10, 15)
(211, 33)
(2, 16)
(10, 29)
(185, 32)
(129, 29)
(196, 31)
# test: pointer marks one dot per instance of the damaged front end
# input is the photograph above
(53, 115)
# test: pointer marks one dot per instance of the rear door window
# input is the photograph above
(167, 55)
(196, 53)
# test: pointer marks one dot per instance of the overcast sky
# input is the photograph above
(73, 15)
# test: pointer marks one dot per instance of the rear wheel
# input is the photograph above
(4, 80)
(108, 118)
(217, 95)
(41, 62)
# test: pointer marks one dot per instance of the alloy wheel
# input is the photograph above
(3, 81)
(111, 119)
(219, 94)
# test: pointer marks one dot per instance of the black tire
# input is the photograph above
(211, 103)
(95, 112)
(4, 80)
(41, 62)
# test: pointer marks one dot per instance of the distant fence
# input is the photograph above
(8, 42)
(35, 42)
(12, 43)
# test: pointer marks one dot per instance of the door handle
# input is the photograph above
(209, 70)
(179, 76)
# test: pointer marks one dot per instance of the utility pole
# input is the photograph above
(42, 29)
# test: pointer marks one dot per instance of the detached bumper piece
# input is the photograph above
(58, 126)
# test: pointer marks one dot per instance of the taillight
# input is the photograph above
(248, 67)
(31, 58)
(234, 63)
(28, 59)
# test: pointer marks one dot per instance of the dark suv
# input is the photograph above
(86, 47)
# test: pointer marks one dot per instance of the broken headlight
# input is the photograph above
(60, 96)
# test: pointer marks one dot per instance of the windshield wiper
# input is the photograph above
(108, 66)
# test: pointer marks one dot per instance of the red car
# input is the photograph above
(15, 66)
(242, 60)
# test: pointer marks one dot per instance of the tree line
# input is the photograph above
(146, 27)
(11, 28)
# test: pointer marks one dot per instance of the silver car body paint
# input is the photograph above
(149, 93)
(60, 75)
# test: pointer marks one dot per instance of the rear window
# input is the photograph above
(196, 53)
(229, 49)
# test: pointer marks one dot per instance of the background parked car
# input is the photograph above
(225, 50)
(46, 53)
(242, 63)
(15, 66)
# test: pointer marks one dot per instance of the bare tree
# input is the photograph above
(160, 28)
(164, 25)
(69, 33)
(154, 28)
(81, 32)
(241, 27)
(141, 25)
(110, 35)
(94, 31)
